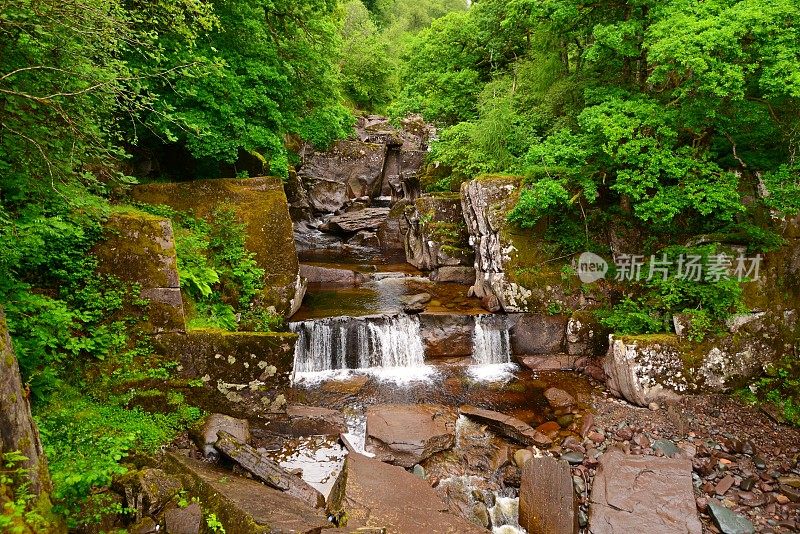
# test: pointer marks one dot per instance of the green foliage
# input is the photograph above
(706, 302)
(367, 70)
(216, 270)
(780, 386)
(86, 439)
(214, 524)
(20, 513)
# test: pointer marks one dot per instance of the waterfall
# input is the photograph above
(491, 349)
(490, 341)
(380, 343)
(505, 516)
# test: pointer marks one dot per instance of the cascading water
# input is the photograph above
(491, 348)
(388, 346)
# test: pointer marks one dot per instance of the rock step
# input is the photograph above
(243, 505)
(370, 493)
(507, 426)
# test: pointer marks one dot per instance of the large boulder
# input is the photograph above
(139, 248)
(351, 169)
(392, 232)
(643, 494)
(356, 221)
(242, 373)
(258, 203)
(485, 202)
(655, 368)
(437, 236)
(244, 505)
(370, 493)
(407, 434)
(547, 503)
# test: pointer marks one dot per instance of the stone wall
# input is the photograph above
(261, 205)
(139, 248)
(243, 374)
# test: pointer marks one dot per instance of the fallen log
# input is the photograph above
(264, 469)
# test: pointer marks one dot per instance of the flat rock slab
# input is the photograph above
(546, 499)
(406, 434)
(355, 221)
(370, 493)
(643, 494)
(244, 505)
(316, 274)
(507, 426)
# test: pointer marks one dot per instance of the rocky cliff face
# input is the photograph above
(485, 203)
(18, 431)
(437, 236)
(259, 203)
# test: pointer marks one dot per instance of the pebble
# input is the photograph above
(728, 521)
(654, 406)
(666, 447)
(573, 458)
(522, 456)
(724, 485)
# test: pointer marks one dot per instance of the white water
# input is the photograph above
(505, 516)
(390, 348)
(491, 349)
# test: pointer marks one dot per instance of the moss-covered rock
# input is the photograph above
(139, 248)
(234, 373)
(437, 235)
(258, 203)
(243, 505)
(653, 368)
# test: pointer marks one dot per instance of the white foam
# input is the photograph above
(494, 372)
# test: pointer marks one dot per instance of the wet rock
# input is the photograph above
(550, 362)
(351, 169)
(511, 476)
(206, 436)
(331, 276)
(727, 521)
(370, 493)
(183, 520)
(392, 232)
(538, 334)
(573, 458)
(507, 426)
(262, 467)
(559, 399)
(419, 471)
(643, 494)
(415, 303)
(244, 505)
(446, 335)
(311, 421)
(356, 221)
(364, 238)
(407, 434)
(547, 503)
(457, 275)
